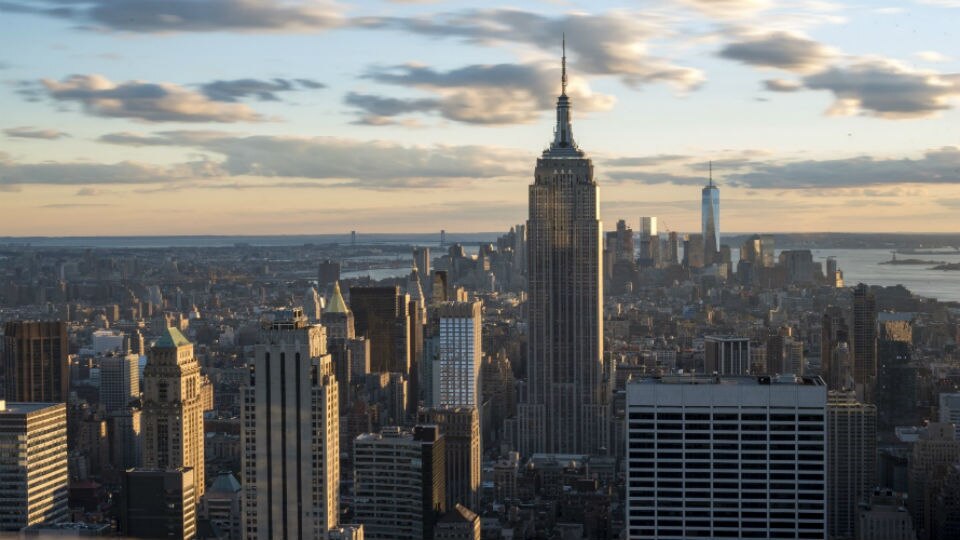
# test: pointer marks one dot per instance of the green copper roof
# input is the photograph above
(224, 483)
(336, 303)
(171, 338)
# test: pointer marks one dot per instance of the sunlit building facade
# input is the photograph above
(291, 433)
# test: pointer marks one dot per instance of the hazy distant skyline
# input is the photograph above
(271, 116)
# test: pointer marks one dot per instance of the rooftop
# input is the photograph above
(225, 482)
(171, 338)
(745, 380)
(336, 303)
(7, 407)
(459, 514)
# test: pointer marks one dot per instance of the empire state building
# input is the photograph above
(566, 407)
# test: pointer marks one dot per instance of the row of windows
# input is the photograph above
(762, 475)
(679, 534)
(745, 426)
(730, 436)
(733, 417)
(676, 472)
(725, 445)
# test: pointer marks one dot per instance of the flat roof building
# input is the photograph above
(33, 464)
(726, 457)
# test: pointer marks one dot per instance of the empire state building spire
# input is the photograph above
(563, 68)
(563, 144)
(566, 409)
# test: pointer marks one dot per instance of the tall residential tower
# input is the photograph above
(567, 406)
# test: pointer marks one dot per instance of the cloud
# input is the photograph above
(859, 176)
(614, 43)
(933, 57)
(164, 16)
(781, 50)
(150, 102)
(377, 110)
(480, 94)
(728, 9)
(75, 205)
(88, 192)
(645, 161)
(781, 85)
(939, 166)
(264, 90)
(885, 89)
(647, 177)
(26, 132)
(134, 139)
(329, 161)
(85, 173)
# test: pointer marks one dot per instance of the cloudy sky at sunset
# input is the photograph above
(128, 117)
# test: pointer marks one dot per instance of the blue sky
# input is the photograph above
(275, 116)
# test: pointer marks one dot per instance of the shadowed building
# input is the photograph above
(567, 405)
(35, 361)
(851, 460)
(460, 428)
(726, 355)
(382, 315)
(399, 480)
(864, 339)
(159, 503)
(833, 332)
(459, 523)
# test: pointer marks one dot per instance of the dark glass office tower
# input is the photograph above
(35, 361)
(864, 339)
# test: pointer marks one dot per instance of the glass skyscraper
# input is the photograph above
(710, 213)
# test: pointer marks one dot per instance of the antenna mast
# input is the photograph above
(563, 72)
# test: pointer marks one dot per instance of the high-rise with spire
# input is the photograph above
(566, 408)
(710, 217)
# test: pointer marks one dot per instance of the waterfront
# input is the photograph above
(863, 265)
